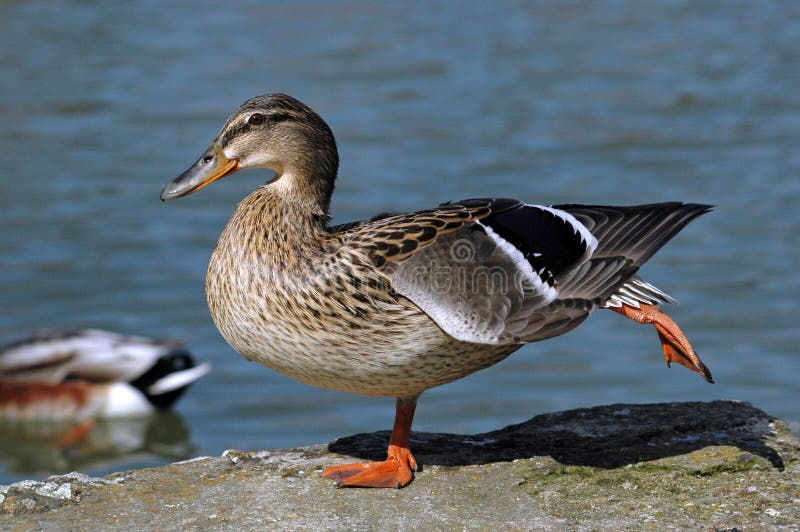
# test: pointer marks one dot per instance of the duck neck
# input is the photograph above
(304, 193)
(276, 223)
(305, 176)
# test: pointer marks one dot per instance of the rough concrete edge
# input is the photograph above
(55, 491)
(29, 496)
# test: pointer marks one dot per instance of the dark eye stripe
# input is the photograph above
(280, 117)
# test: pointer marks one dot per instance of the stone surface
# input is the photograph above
(719, 465)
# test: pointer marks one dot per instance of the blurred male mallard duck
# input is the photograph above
(400, 303)
(83, 374)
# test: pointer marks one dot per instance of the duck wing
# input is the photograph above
(634, 232)
(33, 357)
(630, 233)
(499, 271)
(94, 355)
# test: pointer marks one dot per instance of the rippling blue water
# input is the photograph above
(604, 102)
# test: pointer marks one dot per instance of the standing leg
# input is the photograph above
(398, 468)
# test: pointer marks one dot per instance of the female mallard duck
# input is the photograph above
(400, 303)
(83, 374)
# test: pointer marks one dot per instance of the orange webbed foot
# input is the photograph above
(674, 343)
(396, 471)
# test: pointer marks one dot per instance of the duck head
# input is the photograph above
(169, 376)
(273, 131)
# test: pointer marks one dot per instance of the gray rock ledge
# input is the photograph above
(722, 465)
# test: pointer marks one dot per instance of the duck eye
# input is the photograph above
(256, 119)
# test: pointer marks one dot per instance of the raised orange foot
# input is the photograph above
(675, 344)
(396, 471)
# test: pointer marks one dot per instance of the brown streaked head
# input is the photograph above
(272, 131)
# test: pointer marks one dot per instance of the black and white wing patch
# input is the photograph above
(551, 240)
(482, 282)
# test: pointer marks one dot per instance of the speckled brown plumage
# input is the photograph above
(316, 306)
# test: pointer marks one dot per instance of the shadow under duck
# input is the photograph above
(400, 303)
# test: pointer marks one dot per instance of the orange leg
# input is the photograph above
(398, 468)
(676, 346)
